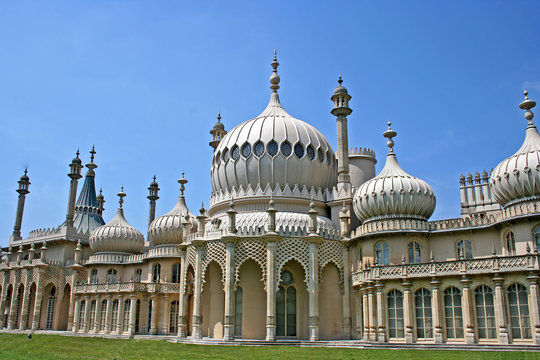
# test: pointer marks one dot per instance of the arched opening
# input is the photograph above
(114, 316)
(137, 315)
(173, 318)
(102, 315)
(18, 306)
(156, 272)
(48, 307)
(424, 322)
(190, 289)
(519, 312)
(31, 306)
(125, 320)
(292, 319)
(485, 312)
(175, 273)
(91, 319)
(213, 302)
(396, 328)
(64, 308)
(330, 304)
(254, 301)
(7, 306)
(453, 313)
(238, 312)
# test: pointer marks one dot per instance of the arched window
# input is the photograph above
(50, 309)
(114, 315)
(381, 253)
(464, 249)
(137, 315)
(519, 312)
(93, 277)
(127, 307)
(537, 238)
(176, 273)
(138, 275)
(156, 272)
(286, 306)
(103, 315)
(424, 323)
(149, 317)
(414, 252)
(111, 276)
(92, 315)
(453, 313)
(360, 257)
(485, 312)
(395, 314)
(173, 318)
(510, 243)
(81, 314)
(238, 312)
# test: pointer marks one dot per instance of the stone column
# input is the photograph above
(97, 315)
(132, 313)
(181, 296)
(313, 291)
(408, 308)
(358, 313)
(153, 320)
(228, 329)
(197, 319)
(120, 318)
(77, 314)
(467, 311)
(500, 313)
(271, 291)
(86, 313)
(365, 309)
(108, 314)
(381, 311)
(436, 311)
(533, 306)
(372, 314)
(346, 295)
(25, 301)
(39, 296)
(165, 316)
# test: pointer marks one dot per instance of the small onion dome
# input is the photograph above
(76, 159)
(340, 89)
(169, 228)
(219, 125)
(117, 236)
(517, 178)
(393, 194)
(25, 177)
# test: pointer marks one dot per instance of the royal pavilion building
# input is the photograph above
(298, 242)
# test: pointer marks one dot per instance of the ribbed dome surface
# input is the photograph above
(517, 178)
(117, 236)
(273, 148)
(167, 229)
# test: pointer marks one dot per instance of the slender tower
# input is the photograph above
(217, 132)
(74, 175)
(24, 182)
(341, 110)
(152, 196)
(101, 201)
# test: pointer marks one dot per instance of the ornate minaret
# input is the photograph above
(74, 175)
(218, 132)
(341, 110)
(101, 201)
(24, 182)
(152, 196)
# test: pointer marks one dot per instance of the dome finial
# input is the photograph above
(182, 181)
(219, 116)
(274, 78)
(121, 195)
(340, 81)
(390, 134)
(92, 153)
(528, 105)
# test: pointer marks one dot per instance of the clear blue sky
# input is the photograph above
(143, 81)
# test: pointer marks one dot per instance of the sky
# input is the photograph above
(143, 81)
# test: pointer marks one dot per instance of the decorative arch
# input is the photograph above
(250, 249)
(292, 249)
(214, 252)
(205, 269)
(331, 252)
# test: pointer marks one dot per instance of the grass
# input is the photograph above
(16, 346)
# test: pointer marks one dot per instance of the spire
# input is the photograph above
(101, 200)
(91, 166)
(390, 134)
(182, 181)
(217, 132)
(341, 110)
(274, 78)
(153, 190)
(528, 105)
(24, 183)
(121, 195)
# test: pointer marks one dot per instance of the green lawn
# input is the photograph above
(64, 347)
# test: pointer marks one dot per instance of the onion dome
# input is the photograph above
(168, 229)
(517, 178)
(117, 236)
(219, 125)
(273, 149)
(340, 90)
(393, 194)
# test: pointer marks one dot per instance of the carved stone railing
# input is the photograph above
(127, 287)
(164, 251)
(492, 265)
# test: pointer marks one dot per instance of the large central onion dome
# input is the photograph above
(274, 149)
(517, 179)
(393, 194)
(168, 229)
(117, 236)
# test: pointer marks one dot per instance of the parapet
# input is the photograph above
(475, 193)
(362, 152)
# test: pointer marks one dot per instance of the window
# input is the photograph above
(310, 152)
(258, 149)
(137, 315)
(299, 150)
(246, 150)
(464, 249)
(50, 309)
(138, 275)
(381, 253)
(320, 155)
(424, 325)
(93, 277)
(238, 312)
(286, 149)
(453, 313)
(235, 152)
(395, 314)
(156, 272)
(114, 315)
(225, 155)
(272, 148)
(81, 314)
(173, 318)
(286, 306)
(127, 307)
(111, 276)
(92, 315)
(176, 273)
(519, 312)
(103, 315)
(414, 252)
(149, 317)
(360, 257)
(510, 241)
(485, 312)
(537, 238)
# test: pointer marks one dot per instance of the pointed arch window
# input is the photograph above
(138, 275)
(510, 242)
(94, 277)
(519, 312)
(464, 249)
(286, 306)
(103, 315)
(272, 148)
(310, 152)
(235, 152)
(176, 273)
(156, 272)
(286, 149)
(485, 312)
(382, 256)
(258, 149)
(453, 313)
(396, 328)
(414, 252)
(50, 309)
(92, 315)
(82, 313)
(127, 307)
(424, 322)
(320, 155)
(299, 150)
(114, 315)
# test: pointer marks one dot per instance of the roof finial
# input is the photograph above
(77, 153)
(528, 105)
(390, 134)
(25, 170)
(339, 79)
(92, 152)
(121, 195)
(182, 181)
(274, 78)
(219, 116)
(154, 178)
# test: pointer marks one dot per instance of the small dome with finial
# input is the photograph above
(76, 159)
(168, 229)
(393, 194)
(219, 125)
(517, 178)
(340, 89)
(25, 177)
(117, 236)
